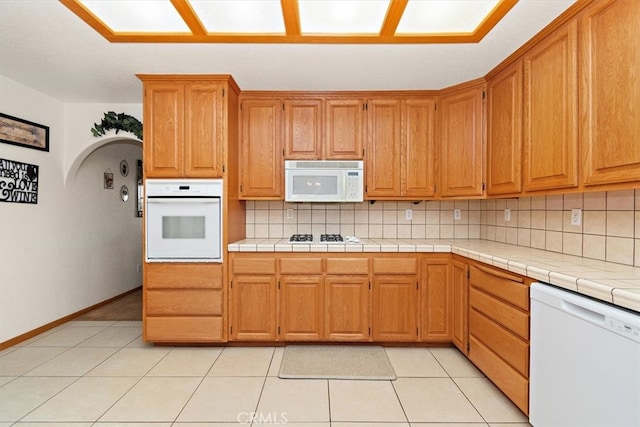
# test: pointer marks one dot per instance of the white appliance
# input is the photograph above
(183, 220)
(324, 181)
(585, 361)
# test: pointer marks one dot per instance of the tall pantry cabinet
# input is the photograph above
(190, 131)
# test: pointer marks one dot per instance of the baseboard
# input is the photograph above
(62, 320)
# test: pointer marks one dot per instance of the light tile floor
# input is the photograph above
(102, 374)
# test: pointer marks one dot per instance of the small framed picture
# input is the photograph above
(24, 133)
(108, 180)
(124, 168)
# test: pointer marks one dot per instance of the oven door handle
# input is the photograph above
(183, 200)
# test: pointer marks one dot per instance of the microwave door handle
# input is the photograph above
(184, 200)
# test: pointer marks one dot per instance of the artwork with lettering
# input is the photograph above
(18, 182)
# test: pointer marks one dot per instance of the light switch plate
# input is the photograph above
(507, 214)
(289, 213)
(408, 214)
(457, 214)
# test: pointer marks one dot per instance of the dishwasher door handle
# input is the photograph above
(583, 313)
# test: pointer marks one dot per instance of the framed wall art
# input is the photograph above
(24, 133)
(18, 182)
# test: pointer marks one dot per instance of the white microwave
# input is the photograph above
(324, 181)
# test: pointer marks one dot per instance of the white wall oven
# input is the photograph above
(183, 220)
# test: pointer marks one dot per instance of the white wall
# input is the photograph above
(80, 244)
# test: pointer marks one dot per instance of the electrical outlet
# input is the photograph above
(457, 214)
(289, 213)
(576, 216)
(408, 214)
(138, 268)
(507, 214)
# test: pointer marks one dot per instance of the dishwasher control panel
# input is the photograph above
(623, 328)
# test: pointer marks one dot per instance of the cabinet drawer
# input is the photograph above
(503, 285)
(184, 302)
(179, 275)
(183, 329)
(508, 316)
(512, 384)
(347, 266)
(301, 266)
(510, 348)
(395, 266)
(254, 265)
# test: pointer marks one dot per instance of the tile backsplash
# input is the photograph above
(609, 228)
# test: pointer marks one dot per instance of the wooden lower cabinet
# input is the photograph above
(183, 303)
(499, 330)
(435, 301)
(301, 308)
(347, 308)
(253, 308)
(460, 304)
(395, 308)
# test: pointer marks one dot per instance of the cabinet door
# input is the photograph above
(204, 128)
(436, 301)
(301, 308)
(383, 148)
(347, 308)
(344, 128)
(163, 129)
(550, 112)
(261, 162)
(303, 128)
(395, 308)
(253, 308)
(418, 169)
(610, 59)
(504, 128)
(460, 306)
(461, 132)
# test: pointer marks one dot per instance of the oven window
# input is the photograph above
(183, 227)
(320, 185)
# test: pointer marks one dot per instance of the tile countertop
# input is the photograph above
(614, 283)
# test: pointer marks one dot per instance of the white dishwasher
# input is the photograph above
(585, 361)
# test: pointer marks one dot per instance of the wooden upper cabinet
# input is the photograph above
(461, 142)
(204, 129)
(303, 119)
(418, 149)
(610, 116)
(504, 129)
(383, 148)
(261, 160)
(163, 129)
(550, 149)
(344, 129)
(184, 128)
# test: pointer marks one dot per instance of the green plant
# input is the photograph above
(118, 122)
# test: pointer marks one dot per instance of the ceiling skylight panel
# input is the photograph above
(444, 16)
(342, 16)
(240, 16)
(138, 15)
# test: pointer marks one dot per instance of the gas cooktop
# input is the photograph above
(324, 238)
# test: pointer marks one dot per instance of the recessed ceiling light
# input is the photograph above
(138, 16)
(245, 16)
(444, 16)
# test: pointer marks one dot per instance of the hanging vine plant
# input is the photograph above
(118, 121)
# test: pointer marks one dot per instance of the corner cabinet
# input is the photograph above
(550, 121)
(504, 129)
(183, 128)
(261, 160)
(610, 90)
(462, 141)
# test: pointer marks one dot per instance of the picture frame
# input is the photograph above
(23, 133)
